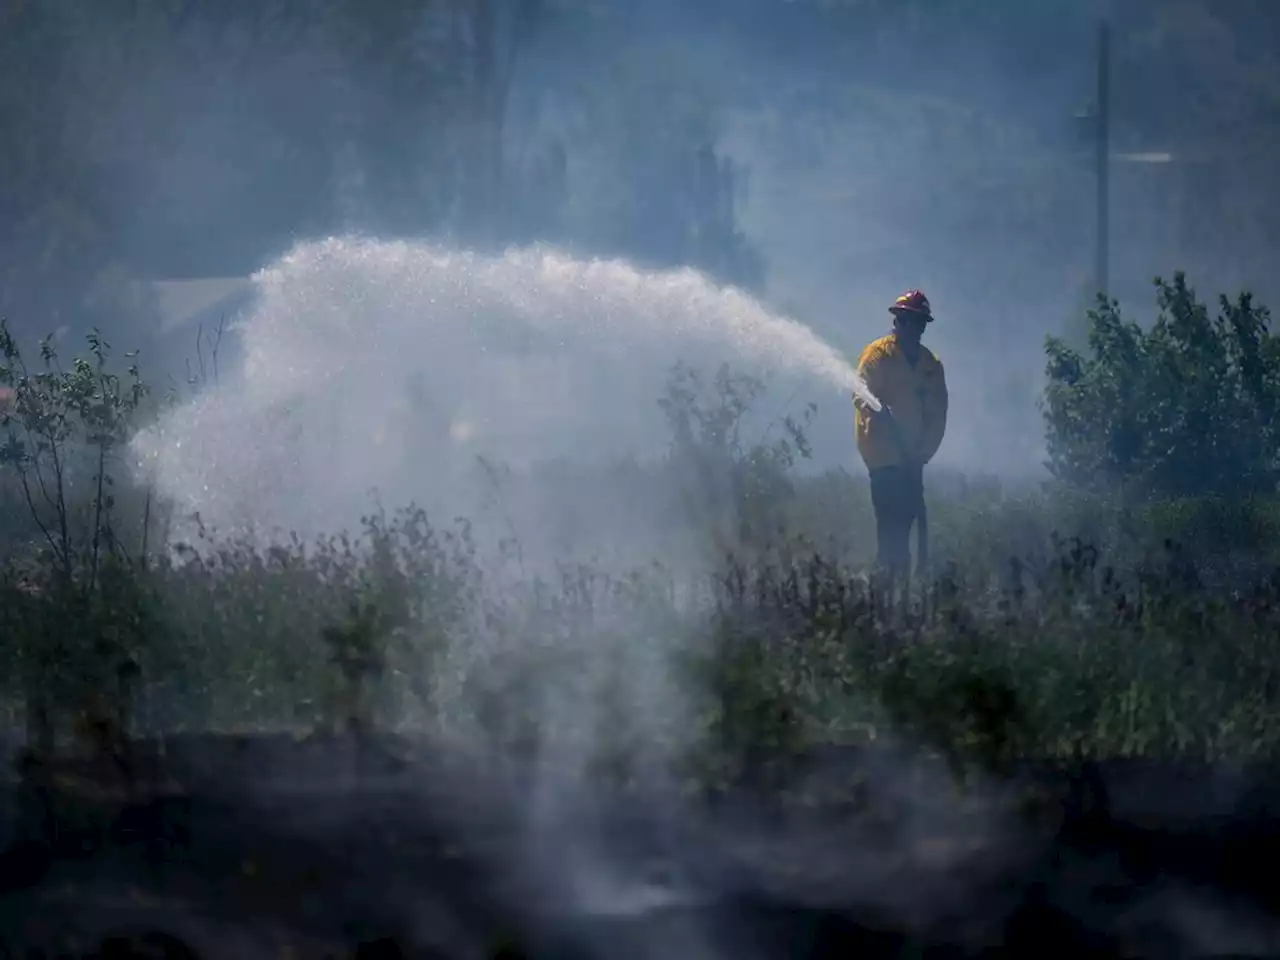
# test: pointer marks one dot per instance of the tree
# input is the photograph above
(79, 614)
(650, 183)
(496, 32)
(736, 484)
(715, 244)
(1187, 408)
(50, 225)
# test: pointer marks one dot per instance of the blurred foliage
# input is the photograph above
(590, 123)
(655, 185)
(1186, 408)
(131, 122)
(738, 486)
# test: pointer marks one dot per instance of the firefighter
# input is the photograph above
(897, 441)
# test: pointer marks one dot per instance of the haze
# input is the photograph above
(822, 156)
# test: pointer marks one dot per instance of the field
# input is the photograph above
(1061, 630)
(1087, 639)
(1056, 621)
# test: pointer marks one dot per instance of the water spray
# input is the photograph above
(391, 366)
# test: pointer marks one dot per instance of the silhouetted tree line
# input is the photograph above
(192, 138)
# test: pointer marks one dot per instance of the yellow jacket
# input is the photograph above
(916, 395)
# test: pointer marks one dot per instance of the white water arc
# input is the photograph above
(389, 366)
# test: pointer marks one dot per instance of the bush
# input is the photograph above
(1185, 409)
(735, 486)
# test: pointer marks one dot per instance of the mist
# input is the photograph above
(504, 261)
(855, 169)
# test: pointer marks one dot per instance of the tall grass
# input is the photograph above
(1054, 625)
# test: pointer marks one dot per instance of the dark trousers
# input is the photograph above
(897, 495)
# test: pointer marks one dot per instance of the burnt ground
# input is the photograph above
(220, 846)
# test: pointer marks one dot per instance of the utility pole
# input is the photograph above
(1096, 127)
(1102, 137)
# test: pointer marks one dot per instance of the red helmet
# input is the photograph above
(913, 301)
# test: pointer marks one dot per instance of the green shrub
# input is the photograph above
(1184, 409)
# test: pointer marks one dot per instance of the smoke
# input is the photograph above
(416, 371)
(965, 176)
(411, 372)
